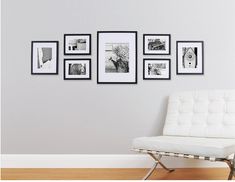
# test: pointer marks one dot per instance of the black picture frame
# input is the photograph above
(177, 57)
(32, 57)
(82, 54)
(77, 59)
(157, 59)
(157, 35)
(136, 57)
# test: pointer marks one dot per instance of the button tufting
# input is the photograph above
(206, 112)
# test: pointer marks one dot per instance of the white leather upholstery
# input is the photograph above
(197, 123)
(210, 147)
(201, 114)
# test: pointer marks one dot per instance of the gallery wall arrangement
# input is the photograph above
(117, 57)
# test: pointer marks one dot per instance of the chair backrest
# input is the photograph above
(206, 113)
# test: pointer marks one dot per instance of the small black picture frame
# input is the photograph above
(77, 44)
(156, 44)
(114, 38)
(156, 69)
(44, 57)
(78, 72)
(190, 57)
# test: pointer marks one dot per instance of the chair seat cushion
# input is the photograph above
(208, 147)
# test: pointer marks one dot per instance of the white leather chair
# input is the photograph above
(198, 125)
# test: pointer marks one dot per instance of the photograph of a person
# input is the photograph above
(44, 57)
(157, 69)
(77, 69)
(190, 57)
(156, 44)
(117, 57)
(77, 44)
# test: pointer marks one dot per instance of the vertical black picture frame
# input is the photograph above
(178, 58)
(135, 54)
(34, 43)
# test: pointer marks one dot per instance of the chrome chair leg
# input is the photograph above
(160, 163)
(156, 162)
(231, 165)
(150, 171)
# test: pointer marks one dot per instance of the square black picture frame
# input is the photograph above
(156, 60)
(168, 52)
(77, 60)
(45, 43)
(201, 53)
(77, 35)
(135, 33)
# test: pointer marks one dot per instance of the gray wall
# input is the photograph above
(45, 114)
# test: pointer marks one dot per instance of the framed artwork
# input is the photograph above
(190, 58)
(157, 69)
(157, 44)
(44, 57)
(77, 44)
(117, 57)
(77, 69)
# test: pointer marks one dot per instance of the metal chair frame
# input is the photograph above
(156, 156)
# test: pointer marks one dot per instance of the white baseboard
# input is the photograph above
(97, 161)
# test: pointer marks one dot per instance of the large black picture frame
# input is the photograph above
(135, 54)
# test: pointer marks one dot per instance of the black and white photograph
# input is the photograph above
(117, 57)
(157, 69)
(156, 44)
(44, 57)
(190, 57)
(77, 44)
(77, 69)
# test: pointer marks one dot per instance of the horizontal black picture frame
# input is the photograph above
(156, 69)
(76, 42)
(160, 44)
(77, 69)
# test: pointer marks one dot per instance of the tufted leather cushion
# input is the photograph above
(201, 114)
(210, 147)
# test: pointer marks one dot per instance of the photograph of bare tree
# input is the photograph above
(117, 58)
